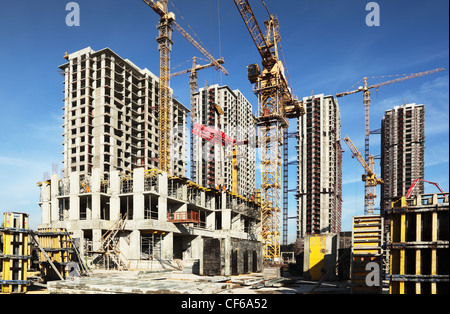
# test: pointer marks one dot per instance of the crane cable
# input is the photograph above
(199, 40)
(266, 7)
(220, 39)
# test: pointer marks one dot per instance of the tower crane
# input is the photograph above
(166, 25)
(277, 105)
(370, 178)
(367, 102)
(194, 85)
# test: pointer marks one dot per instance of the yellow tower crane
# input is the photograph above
(165, 27)
(276, 105)
(370, 178)
(367, 102)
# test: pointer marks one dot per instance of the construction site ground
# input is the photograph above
(177, 282)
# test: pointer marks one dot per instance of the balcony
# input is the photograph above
(184, 217)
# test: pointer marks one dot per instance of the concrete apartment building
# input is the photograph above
(111, 116)
(402, 151)
(169, 220)
(213, 163)
(319, 167)
(111, 184)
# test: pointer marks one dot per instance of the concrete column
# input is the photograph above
(211, 220)
(96, 239)
(95, 189)
(54, 198)
(74, 209)
(138, 196)
(45, 203)
(227, 254)
(135, 245)
(162, 200)
(163, 183)
(167, 246)
(202, 198)
(226, 219)
(98, 129)
(115, 200)
(197, 248)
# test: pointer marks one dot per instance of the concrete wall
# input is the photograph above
(320, 255)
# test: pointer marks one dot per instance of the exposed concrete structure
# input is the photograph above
(213, 163)
(221, 238)
(319, 167)
(111, 116)
(402, 152)
(111, 185)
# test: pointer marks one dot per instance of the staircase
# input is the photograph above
(110, 246)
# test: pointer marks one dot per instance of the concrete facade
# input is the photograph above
(213, 162)
(111, 116)
(149, 198)
(319, 167)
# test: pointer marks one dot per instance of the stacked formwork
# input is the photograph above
(419, 245)
(16, 253)
(58, 247)
(367, 254)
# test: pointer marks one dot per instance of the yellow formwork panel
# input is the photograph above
(367, 238)
(16, 253)
(317, 249)
(417, 235)
(57, 244)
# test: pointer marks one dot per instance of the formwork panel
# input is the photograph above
(367, 253)
(16, 253)
(58, 247)
(419, 245)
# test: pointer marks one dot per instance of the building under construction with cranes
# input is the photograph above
(124, 201)
(112, 183)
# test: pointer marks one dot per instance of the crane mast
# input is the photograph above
(193, 76)
(276, 106)
(370, 178)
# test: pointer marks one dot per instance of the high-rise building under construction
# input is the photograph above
(402, 151)
(111, 116)
(319, 167)
(125, 212)
(224, 111)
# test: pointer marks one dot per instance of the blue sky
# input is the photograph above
(327, 47)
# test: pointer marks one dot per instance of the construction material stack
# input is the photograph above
(16, 253)
(367, 254)
(56, 247)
